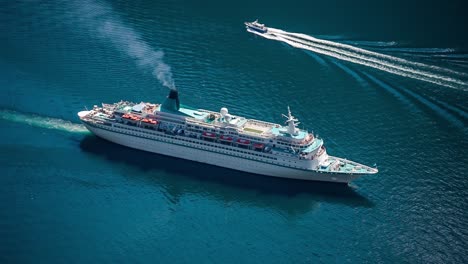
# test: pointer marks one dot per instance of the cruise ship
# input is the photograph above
(255, 26)
(221, 139)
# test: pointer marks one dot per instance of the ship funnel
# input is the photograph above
(172, 102)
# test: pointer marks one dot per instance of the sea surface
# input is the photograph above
(67, 196)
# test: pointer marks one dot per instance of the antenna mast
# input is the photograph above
(291, 121)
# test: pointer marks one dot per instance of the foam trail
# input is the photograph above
(363, 59)
(418, 50)
(42, 121)
(383, 67)
(267, 36)
(332, 37)
(454, 56)
(354, 74)
(392, 91)
(368, 61)
(364, 51)
(375, 60)
(371, 43)
(101, 19)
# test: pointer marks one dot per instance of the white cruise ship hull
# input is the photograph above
(209, 155)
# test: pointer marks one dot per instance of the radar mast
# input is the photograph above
(291, 121)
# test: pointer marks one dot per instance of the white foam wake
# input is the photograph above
(376, 62)
(42, 121)
(364, 51)
(375, 44)
(357, 60)
(391, 64)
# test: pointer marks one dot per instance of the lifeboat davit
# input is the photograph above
(225, 138)
(208, 134)
(243, 141)
(258, 145)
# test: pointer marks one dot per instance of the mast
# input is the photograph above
(291, 121)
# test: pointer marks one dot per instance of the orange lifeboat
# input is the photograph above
(258, 145)
(225, 138)
(209, 134)
(243, 141)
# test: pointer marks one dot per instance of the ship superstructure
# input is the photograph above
(221, 139)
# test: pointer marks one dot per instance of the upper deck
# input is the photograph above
(287, 137)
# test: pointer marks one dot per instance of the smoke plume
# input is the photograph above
(104, 23)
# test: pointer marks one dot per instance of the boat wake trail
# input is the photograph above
(435, 108)
(403, 99)
(375, 44)
(391, 64)
(352, 73)
(105, 24)
(42, 121)
(317, 58)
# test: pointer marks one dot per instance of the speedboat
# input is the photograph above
(256, 26)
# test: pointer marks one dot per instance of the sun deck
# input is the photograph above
(257, 127)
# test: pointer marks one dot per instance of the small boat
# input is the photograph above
(256, 26)
(243, 141)
(258, 145)
(208, 134)
(225, 138)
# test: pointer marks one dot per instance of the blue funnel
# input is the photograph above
(172, 102)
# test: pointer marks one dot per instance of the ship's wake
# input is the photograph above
(42, 121)
(387, 63)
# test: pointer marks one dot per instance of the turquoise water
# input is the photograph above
(67, 196)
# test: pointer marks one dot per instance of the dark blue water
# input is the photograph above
(69, 197)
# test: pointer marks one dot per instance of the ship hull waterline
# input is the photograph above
(217, 159)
